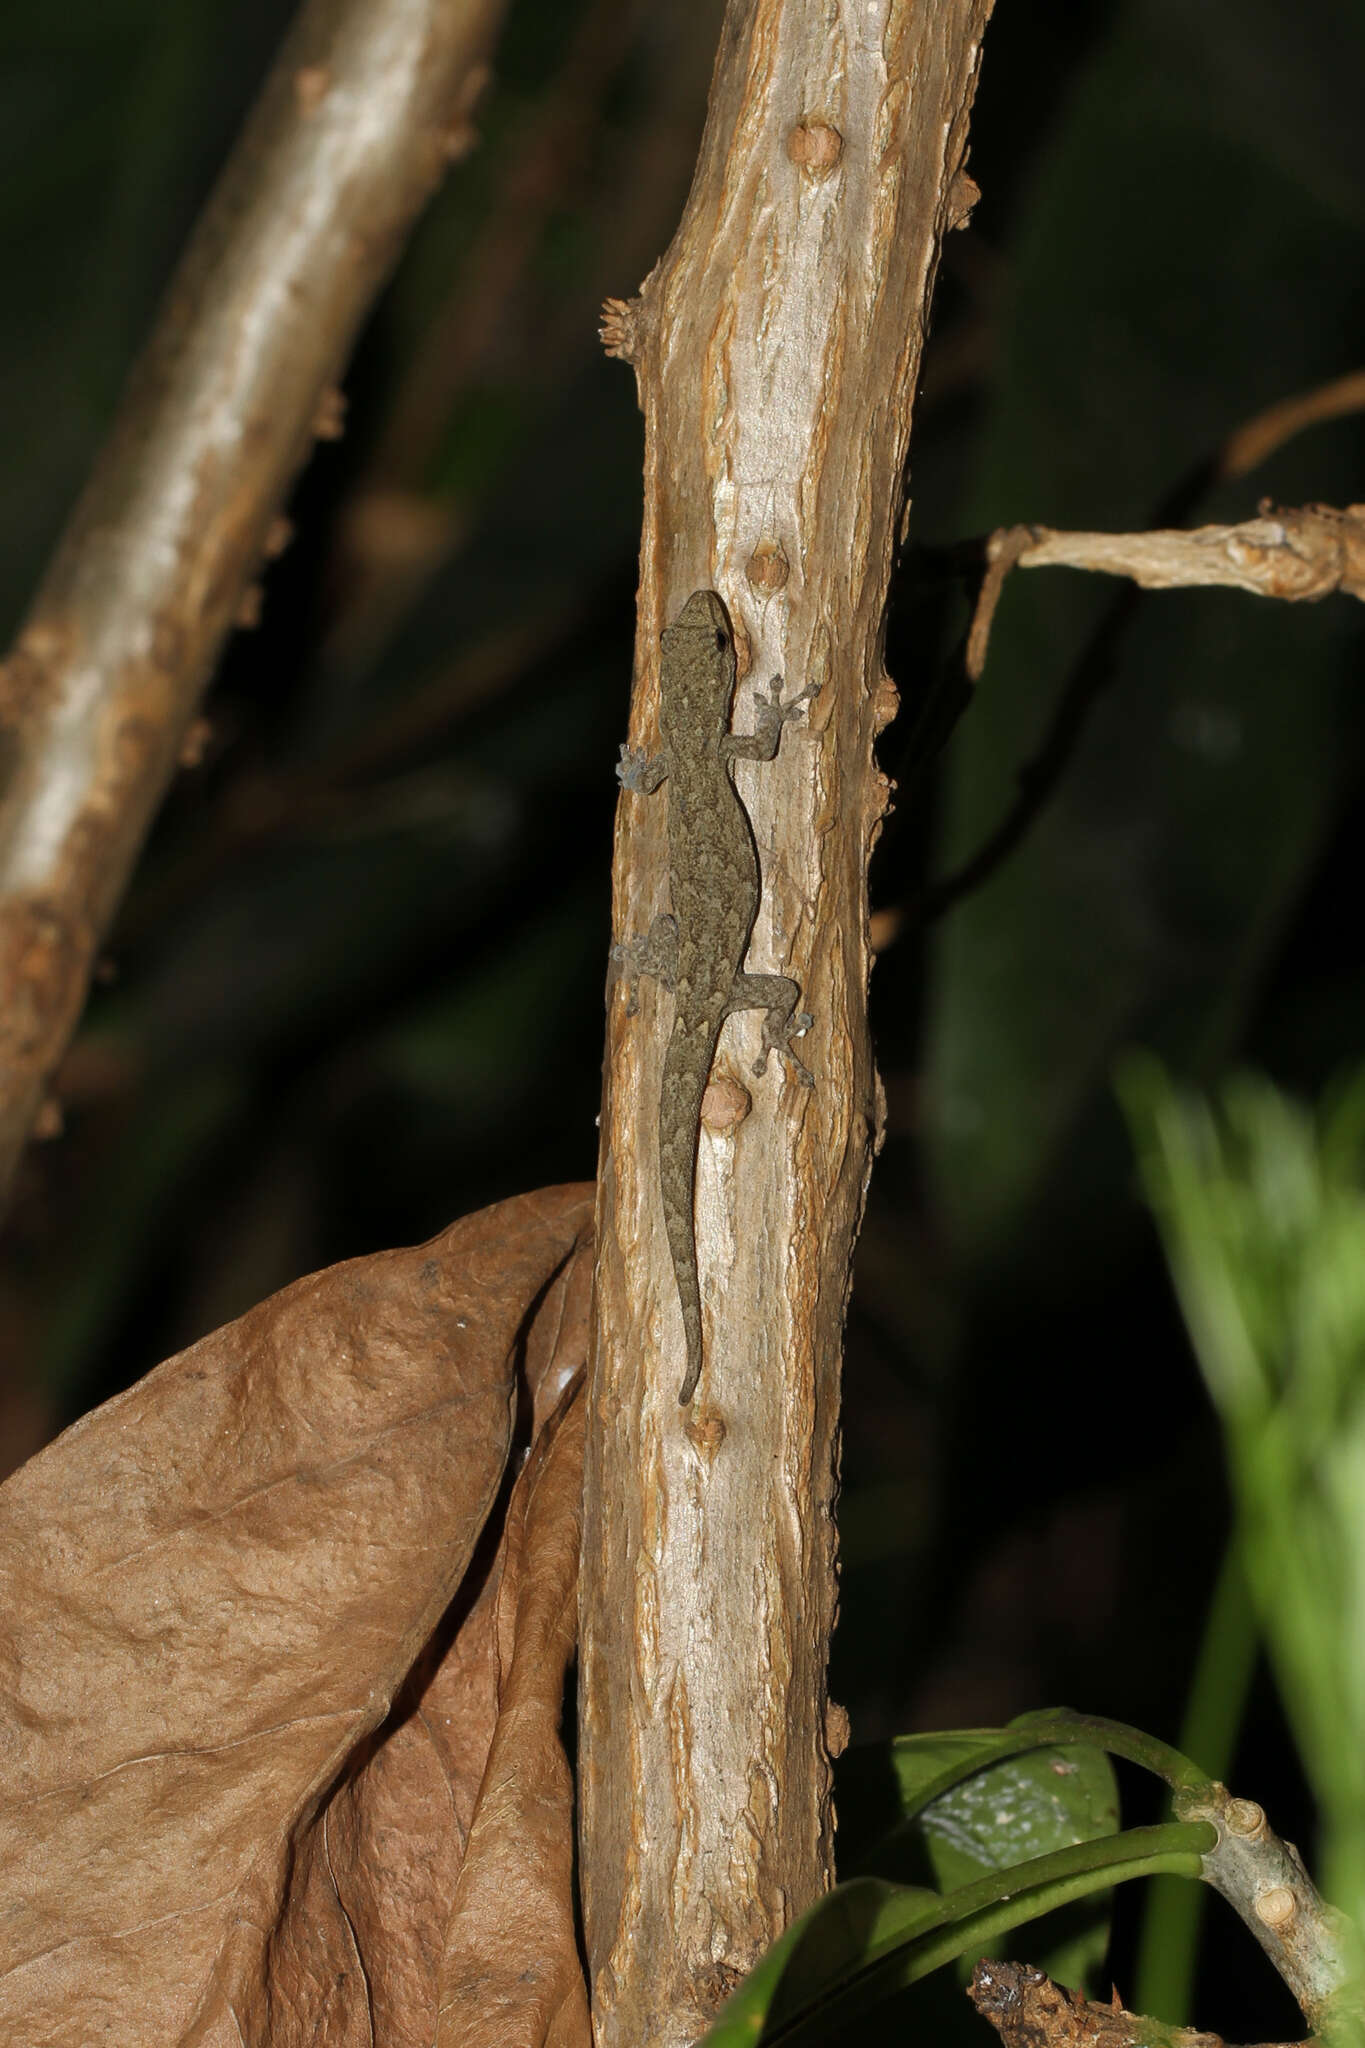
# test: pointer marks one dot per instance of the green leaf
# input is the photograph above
(868, 1939)
(1261, 1208)
(880, 1788)
(1024, 1807)
(884, 1786)
(1021, 1805)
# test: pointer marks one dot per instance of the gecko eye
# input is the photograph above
(720, 642)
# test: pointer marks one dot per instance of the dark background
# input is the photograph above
(356, 988)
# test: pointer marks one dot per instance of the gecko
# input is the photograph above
(696, 951)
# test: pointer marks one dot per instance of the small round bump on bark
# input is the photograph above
(963, 194)
(1244, 1817)
(329, 421)
(195, 744)
(619, 331)
(815, 147)
(767, 569)
(1275, 1908)
(725, 1105)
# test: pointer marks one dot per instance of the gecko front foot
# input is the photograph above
(655, 954)
(774, 714)
(639, 772)
(794, 704)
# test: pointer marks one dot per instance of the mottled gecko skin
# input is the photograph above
(713, 877)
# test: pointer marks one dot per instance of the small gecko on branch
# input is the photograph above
(697, 952)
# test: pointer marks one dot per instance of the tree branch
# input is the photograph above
(776, 349)
(367, 104)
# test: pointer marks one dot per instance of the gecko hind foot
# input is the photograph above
(778, 1036)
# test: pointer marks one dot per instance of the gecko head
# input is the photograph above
(703, 614)
(699, 660)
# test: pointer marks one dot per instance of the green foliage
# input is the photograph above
(1029, 1806)
(1011, 1825)
(1173, 1912)
(1261, 1207)
(1018, 1803)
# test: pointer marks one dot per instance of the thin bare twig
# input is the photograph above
(1297, 555)
(1257, 438)
(367, 104)
(1248, 444)
(1264, 1880)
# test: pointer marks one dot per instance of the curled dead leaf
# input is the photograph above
(213, 1588)
(511, 1975)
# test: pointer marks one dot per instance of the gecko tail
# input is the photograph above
(692, 1329)
(687, 1063)
(689, 1385)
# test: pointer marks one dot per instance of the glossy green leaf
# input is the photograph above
(868, 1939)
(883, 1788)
(1007, 1825)
(1024, 1807)
(1020, 1806)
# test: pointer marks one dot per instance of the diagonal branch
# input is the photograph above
(367, 104)
(1297, 555)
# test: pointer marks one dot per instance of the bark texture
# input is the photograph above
(776, 349)
(365, 108)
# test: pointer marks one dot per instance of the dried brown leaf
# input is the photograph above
(511, 1975)
(213, 1587)
(356, 1950)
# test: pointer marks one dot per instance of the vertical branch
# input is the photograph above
(776, 349)
(364, 109)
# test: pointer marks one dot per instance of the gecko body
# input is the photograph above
(698, 950)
